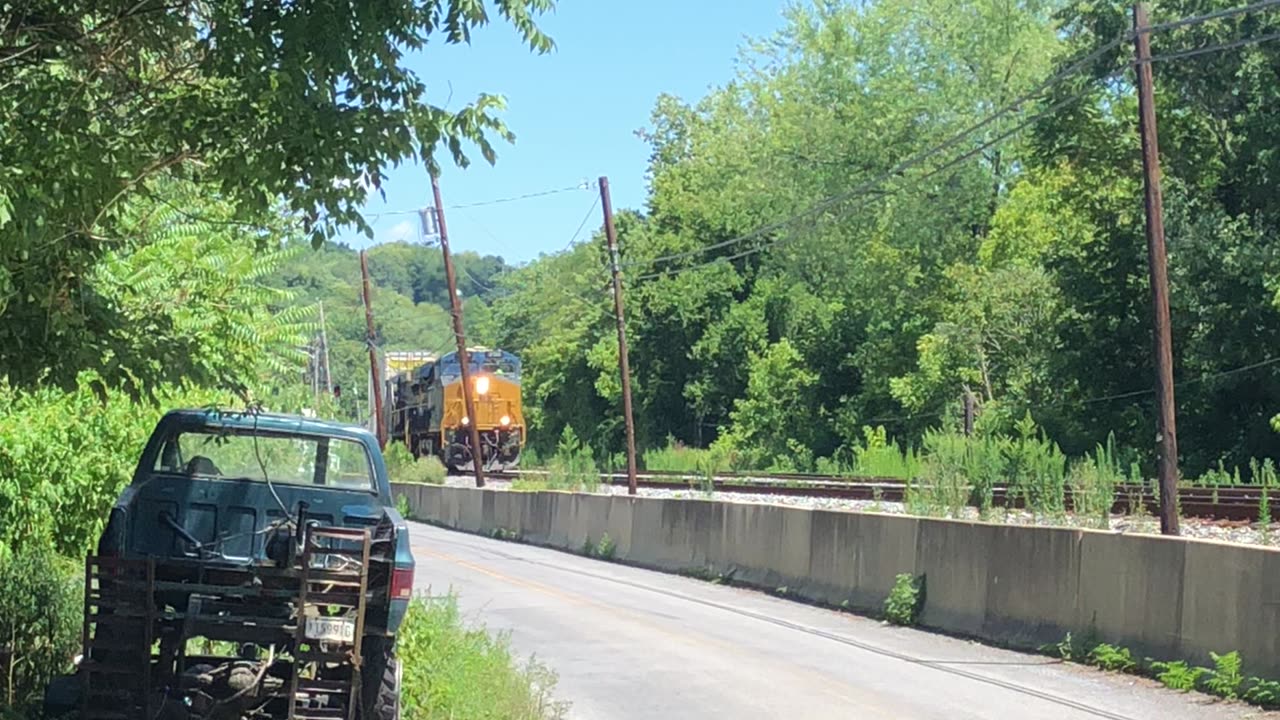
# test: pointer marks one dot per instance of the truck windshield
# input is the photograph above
(291, 459)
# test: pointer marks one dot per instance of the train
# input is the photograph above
(425, 409)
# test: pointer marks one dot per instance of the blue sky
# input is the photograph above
(574, 113)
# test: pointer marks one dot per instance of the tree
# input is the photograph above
(186, 301)
(774, 421)
(253, 102)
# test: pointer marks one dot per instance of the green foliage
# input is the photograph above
(1093, 480)
(877, 457)
(1036, 469)
(402, 507)
(770, 421)
(453, 671)
(1016, 275)
(947, 481)
(1177, 675)
(402, 467)
(572, 467)
(1112, 658)
(1262, 692)
(678, 457)
(604, 548)
(65, 456)
(180, 298)
(40, 617)
(1225, 679)
(905, 600)
(253, 103)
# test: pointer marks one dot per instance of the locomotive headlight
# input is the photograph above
(504, 421)
(482, 384)
(466, 420)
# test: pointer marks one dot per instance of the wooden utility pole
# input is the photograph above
(1167, 434)
(970, 411)
(327, 379)
(375, 371)
(624, 367)
(468, 404)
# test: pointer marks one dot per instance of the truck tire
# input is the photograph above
(380, 695)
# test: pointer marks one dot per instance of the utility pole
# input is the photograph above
(970, 411)
(468, 403)
(375, 372)
(1167, 434)
(624, 367)
(327, 379)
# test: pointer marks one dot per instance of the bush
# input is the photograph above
(65, 457)
(40, 619)
(905, 600)
(451, 671)
(426, 470)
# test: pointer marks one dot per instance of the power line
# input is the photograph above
(1013, 106)
(1101, 398)
(496, 201)
(1206, 17)
(585, 218)
(1193, 52)
(910, 162)
(915, 181)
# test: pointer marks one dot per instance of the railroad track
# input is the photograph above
(1228, 503)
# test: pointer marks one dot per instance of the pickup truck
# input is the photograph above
(254, 567)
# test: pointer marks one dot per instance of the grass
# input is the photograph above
(454, 671)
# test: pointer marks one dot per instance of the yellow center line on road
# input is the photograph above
(813, 679)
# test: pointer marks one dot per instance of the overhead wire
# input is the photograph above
(1031, 95)
(482, 203)
(911, 162)
(1215, 15)
(1193, 52)
(1208, 377)
(910, 182)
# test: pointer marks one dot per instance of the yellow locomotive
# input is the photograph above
(427, 412)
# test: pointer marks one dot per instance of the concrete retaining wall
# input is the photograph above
(1021, 586)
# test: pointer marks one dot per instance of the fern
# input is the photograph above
(190, 289)
(1225, 679)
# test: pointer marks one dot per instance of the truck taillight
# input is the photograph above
(402, 583)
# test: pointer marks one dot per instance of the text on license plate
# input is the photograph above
(331, 629)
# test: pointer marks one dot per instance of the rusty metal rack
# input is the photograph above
(139, 615)
(334, 596)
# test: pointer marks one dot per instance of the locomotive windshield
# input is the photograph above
(493, 362)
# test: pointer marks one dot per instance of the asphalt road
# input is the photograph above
(633, 644)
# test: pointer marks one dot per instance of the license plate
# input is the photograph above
(331, 629)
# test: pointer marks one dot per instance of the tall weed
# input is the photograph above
(40, 616)
(1036, 470)
(1093, 480)
(877, 456)
(677, 457)
(452, 671)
